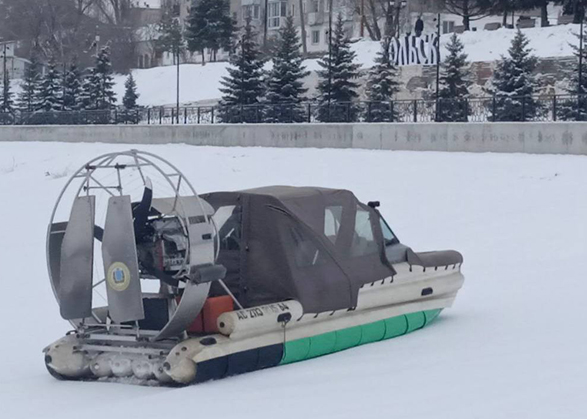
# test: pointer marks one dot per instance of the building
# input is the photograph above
(310, 16)
(428, 10)
(15, 66)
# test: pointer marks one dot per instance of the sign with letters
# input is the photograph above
(411, 49)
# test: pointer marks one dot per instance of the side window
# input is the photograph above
(228, 223)
(363, 239)
(332, 218)
(305, 251)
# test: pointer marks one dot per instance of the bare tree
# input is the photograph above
(373, 13)
(303, 27)
(469, 10)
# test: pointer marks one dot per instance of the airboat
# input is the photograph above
(165, 286)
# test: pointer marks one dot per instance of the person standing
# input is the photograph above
(419, 26)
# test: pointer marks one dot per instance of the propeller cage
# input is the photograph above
(122, 222)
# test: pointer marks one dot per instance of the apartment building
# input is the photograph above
(310, 16)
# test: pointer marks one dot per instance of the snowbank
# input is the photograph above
(157, 86)
(553, 41)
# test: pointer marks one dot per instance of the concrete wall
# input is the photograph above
(508, 137)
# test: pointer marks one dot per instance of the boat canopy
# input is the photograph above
(314, 245)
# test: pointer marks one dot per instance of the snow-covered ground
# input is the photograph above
(157, 86)
(513, 346)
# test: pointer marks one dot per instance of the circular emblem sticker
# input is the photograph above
(118, 276)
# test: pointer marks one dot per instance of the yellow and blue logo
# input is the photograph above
(118, 276)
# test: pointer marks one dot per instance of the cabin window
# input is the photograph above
(228, 223)
(305, 252)
(332, 219)
(363, 238)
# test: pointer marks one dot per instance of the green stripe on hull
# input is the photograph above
(339, 340)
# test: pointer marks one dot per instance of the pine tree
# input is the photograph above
(49, 95)
(244, 84)
(129, 101)
(27, 99)
(72, 88)
(575, 108)
(130, 94)
(382, 85)
(514, 84)
(209, 26)
(85, 100)
(452, 97)
(284, 82)
(336, 86)
(98, 87)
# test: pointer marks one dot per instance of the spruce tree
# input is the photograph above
(336, 87)
(209, 26)
(72, 88)
(85, 100)
(382, 85)
(27, 99)
(514, 84)
(454, 90)
(50, 91)
(244, 84)
(130, 94)
(99, 86)
(575, 108)
(129, 101)
(284, 82)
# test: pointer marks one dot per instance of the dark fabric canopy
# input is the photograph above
(314, 245)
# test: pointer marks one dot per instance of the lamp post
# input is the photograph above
(329, 56)
(5, 76)
(437, 64)
(581, 56)
(177, 50)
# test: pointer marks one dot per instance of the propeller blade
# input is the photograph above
(121, 265)
(193, 299)
(76, 261)
(140, 211)
(56, 235)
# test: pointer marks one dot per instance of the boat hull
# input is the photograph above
(266, 336)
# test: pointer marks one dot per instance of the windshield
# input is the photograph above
(388, 237)
(228, 223)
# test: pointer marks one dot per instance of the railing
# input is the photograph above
(479, 109)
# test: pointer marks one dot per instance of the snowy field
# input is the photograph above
(513, 346)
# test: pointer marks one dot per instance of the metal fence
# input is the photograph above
(478, 109)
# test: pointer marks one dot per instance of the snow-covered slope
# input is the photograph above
(157, 86)
(512, 347)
